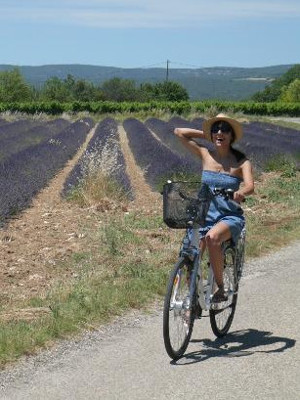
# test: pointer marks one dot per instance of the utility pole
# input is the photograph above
(167, 76)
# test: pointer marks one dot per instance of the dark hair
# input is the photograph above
(239, 155)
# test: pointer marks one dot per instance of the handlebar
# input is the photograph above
(217, 191)
(226, 193)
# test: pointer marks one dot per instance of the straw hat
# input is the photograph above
(236, 126)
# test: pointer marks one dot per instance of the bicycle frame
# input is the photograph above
(193, 253)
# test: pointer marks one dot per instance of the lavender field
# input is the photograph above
(32, 152)
(26, 168)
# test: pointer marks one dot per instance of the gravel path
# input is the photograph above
(259, 359)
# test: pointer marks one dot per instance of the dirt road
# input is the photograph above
(259, 359)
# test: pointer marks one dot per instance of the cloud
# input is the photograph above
(144, 13)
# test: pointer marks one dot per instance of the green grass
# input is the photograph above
(273, 215)
(283, 164)
(136, 221)
(120, 276)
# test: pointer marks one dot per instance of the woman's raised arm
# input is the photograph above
(248, 187)
(186, 136)
(189, 133)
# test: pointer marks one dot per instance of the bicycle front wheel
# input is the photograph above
(179, 313)
(221, 314)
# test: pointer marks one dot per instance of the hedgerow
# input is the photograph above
(179, 108)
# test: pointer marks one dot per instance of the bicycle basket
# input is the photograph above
(184, 202)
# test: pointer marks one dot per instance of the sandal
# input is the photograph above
(220, 295)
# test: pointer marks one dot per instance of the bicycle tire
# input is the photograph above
(221, 314)
(177, 313)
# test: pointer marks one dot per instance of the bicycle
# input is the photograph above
(189, 292)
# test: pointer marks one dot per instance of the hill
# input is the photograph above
(230, 83)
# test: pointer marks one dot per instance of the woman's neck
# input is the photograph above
(223, 153)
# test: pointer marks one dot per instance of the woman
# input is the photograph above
(225, 168)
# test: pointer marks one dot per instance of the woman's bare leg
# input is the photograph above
(202, 245)
(214, 239)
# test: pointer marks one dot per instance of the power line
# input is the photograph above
(187, 65)
(153, 65)
(169, 62)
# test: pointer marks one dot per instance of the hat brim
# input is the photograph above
(236, 126)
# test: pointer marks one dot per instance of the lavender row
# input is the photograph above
(284, 142)
(276, 130)
(18, 141)
(23, 175)
(158, 161)
(259, 145)
(16, 127)
(165, 132)
(103, 153)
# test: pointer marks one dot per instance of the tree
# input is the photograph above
(170, 91)
(84, 91)
(291, 93)
(70, 89)
(13, 87)
(269, 94)
(274, 91)
(117, 89)
(56, 90)
(164, 91)
(287, 78)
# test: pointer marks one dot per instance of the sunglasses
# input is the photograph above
(223, 127)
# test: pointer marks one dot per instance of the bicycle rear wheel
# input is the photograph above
(221, 314)
(179, 312)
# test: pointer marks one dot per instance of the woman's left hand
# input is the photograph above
(238, 197)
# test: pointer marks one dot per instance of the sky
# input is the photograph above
(147, 33)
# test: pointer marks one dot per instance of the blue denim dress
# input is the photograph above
(227, 211)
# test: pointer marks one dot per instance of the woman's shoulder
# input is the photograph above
(246, 165)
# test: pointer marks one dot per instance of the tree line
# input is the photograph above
(14, 88)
